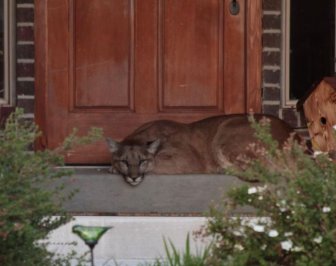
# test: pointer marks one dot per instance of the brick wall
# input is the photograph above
(272, 68)
(271, 38)
(25, 56)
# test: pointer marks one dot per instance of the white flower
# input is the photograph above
(318, 239)
(287, 234)
(260, 198)
(282, 205)
(273, 233)
(238, 247)
(326, 209)
(334, 127)
(286, 245)
(297, 249)
(317, 153)
(261, 189)
(252, 190)
(259, 228)
(239, 232)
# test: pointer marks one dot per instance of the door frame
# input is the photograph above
(253, 61)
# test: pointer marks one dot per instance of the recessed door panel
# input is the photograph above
(102, 53)
(191, 54)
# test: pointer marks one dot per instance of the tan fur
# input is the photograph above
(205, 146)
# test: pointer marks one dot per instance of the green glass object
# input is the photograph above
(90, 235)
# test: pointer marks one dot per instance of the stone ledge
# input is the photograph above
(101, 193)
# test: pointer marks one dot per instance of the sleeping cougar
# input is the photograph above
(205, 146)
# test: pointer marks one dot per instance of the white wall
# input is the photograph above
(132, 240)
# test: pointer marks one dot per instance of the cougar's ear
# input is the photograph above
(153, 146)
(113, 145)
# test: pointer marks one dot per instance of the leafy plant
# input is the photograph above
(294, 205)
(176, 258)
(28, 212)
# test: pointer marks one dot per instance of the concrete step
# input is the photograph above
(101, 193)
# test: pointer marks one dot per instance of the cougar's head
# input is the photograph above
(133, 161)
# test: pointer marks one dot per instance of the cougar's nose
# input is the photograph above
(133, 173)
(134, 178)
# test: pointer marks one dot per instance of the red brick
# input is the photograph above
(25, 70)
(271, 40)
(25, 34)
(271, 22)
(271, 58)
(271, 94)
(271, 109)
(271, 4)
(271, 76)
(27, 88)
(24, 15)
(25, 51)
(26, 104)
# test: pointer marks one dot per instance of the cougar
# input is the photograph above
(206, 146)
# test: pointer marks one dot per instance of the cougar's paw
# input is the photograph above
(111, 170)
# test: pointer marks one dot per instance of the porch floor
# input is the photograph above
(102, 193)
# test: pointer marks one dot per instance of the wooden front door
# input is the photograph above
(117, 64)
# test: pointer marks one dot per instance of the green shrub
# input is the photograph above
(27, 211)
(294, 204)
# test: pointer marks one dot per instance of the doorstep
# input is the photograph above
(102, 193)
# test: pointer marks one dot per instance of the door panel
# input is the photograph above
(102, 53)
(117, 64)
(192, 69)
